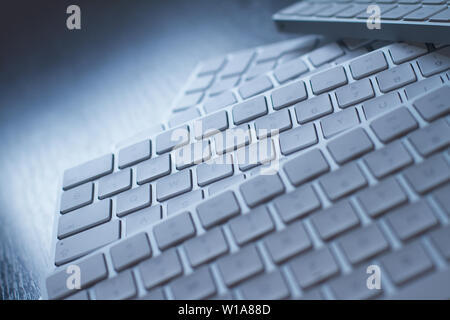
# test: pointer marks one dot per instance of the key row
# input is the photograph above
(281, 246)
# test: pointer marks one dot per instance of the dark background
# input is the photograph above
(69, 96)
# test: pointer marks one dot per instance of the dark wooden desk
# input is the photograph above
(68, 96)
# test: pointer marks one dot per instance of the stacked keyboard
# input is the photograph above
(428, 20)
(359, 134)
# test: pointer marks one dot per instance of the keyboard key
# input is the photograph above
(402, 51)
(423, 13)
(405, 264)
(251, 225)
(338, 122)
(429, 288)
(398, 12)
(114, 184)
(232, 139)
(130, 251)
(276, 50)
(411, 220)
(174, 230)
(183, 201)
(261, 189)
(237, 64)
(313, 108)
(93, 270)
(258, 69)
(77, 197)
(384, 8)
(314, 267)
(394, 124)
(193, 153)
(120, 287)
(218, 209)
(221, 85)
(187, 101)
(249, 110)
(382, 197)
(343, 181)
(143, 218)
(363, 243)
(396, 77)
(335, 220)
(266, 287)
(325, 54)
(298, 138)
(206, 247)
(287, 243)
(442, 16)
(255, 154)
(352, 11)
(214, 170)
(328, 80)
(441, 195)
(88, 171)
(210, 125)
(387, 160)
(172, 139)
(354, 93)
(290, 70)
(273, 123)
(160, 269)
(135, 153)
(200, 83)
(80, 295)
(441, 239)
(368, 64)
(432, 138)
(240, 265)
(350, 145)
(288, 95)
(429, 174)
(306, 167)
(332, 11)
(220, 101)
(225, 183)
(378, 105)
(211, 66)
(255, 86)
(297, 203)
(174, 185)
(83, 243)
(183, 116)
(196, 286)
(155, 294)
(84, 218)
(153, 169)
(434, 62)
(434, 104)
(415, 89)
(133, 200)
(353, 286)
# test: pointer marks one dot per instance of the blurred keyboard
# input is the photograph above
(404, 20)
(352, 169)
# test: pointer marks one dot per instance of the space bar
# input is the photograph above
(82, 243)
(433, 287)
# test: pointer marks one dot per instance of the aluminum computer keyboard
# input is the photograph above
(405, 20)
(226, 80)
(356, 172)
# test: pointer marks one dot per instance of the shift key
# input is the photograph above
(83, 243)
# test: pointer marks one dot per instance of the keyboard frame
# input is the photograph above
(221, 288)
